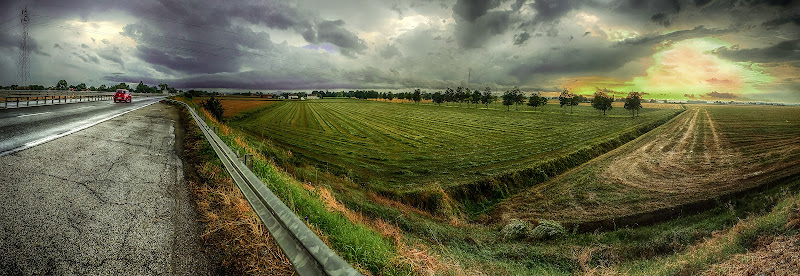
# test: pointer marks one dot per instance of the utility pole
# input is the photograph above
(24, 73)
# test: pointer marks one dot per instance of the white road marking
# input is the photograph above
(34, 114)
(56, 136)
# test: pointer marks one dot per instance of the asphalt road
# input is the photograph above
(106, 200)
(22, 128)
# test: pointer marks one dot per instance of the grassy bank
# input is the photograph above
(367, 245)
(237, 240)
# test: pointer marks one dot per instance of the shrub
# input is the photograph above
(516, 229)
(548, 229)
(214, 106)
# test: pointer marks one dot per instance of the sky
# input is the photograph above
(668, 49)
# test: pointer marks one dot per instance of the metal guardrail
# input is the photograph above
(308, 254)
(24, 98)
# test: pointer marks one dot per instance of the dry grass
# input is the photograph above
(775, 256)
(235, 106)
(238, 241)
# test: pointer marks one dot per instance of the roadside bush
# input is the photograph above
(548, 229)
(516, 229)
(214, 106)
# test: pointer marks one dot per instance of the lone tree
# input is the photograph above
(536, 100)
(508, 99)
(519, 98)
(633, 102)
(566, 98)
(487, 96)
(214, 106)
(417, 96)
(602, 101)
(390, 96)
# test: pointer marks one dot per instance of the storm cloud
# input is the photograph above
(429, 44)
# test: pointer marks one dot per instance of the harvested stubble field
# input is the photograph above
(390, 146)
(700, 155)
(236, 105)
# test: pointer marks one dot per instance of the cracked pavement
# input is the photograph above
(109, 199)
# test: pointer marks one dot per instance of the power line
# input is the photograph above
(15, 17)
(12, 27)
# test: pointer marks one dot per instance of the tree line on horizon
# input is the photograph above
(63, 85)
(461, 95)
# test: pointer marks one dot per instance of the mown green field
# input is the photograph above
(450, 244)
(390, 145)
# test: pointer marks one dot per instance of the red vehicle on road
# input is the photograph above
(122, 95)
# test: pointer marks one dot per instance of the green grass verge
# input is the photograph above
(356, 243)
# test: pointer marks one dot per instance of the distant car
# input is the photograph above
(122, 95)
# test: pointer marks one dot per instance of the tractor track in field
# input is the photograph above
(690, 156)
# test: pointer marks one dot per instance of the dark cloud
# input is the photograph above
(84, 46)
(475, 33)
(55, 45)
(783, 51)
(86, 58)
(285, 16)
(333, 31)
(701, 3)
(777, 22)
(699, 31)
(661, 19)
(518, 4)
(203, 64)
(573, 61)
(113, 55)
(718, 95)
(550, 10)
(779, 3)
(521, 38)
(691, 96)
(470, 10)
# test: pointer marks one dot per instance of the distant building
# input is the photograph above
(268, 96)
(293, 97)
(312, 97)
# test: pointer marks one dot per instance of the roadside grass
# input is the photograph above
(359, 242)
(781, 219)
(241, 244)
